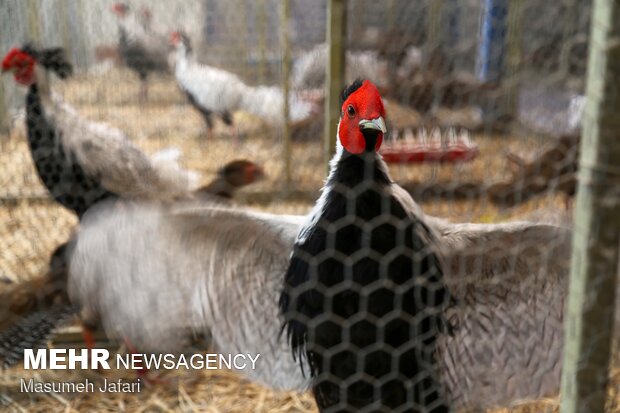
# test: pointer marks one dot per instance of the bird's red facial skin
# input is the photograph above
(366, 104)
(175, 38)
(119, 9)
(253, 173)
(22, 65)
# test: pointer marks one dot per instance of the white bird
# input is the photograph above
(308, 70)
(184, 271)
(215, 91)
(209, 89)
(159, 275)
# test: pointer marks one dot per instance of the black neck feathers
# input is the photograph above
(365, 276)
(56, 165)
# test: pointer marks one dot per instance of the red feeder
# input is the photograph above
(403, 153)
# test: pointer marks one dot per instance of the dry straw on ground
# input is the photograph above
(31, 227)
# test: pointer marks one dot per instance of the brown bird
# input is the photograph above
(553, 168)
(231, 177)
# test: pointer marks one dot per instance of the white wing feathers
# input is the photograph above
(154, 274)
(510, 281)
(158, 275)
(213, 88)
(106, 153)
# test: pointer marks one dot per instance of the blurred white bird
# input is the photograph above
(215, 91)
(160, 275)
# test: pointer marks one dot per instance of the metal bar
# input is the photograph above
(596, 238)
(491, 49)
(335, 77)
(286, 68)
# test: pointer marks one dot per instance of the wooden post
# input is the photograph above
(433, 27)
(391, 14)
(80, 43)
(512, 63)
(596, 239)
(243, 36)
(65, 29)
(336, 37)
(568, 33)
(286, 63)
(261, 18)
(34, 21)
(4, 110)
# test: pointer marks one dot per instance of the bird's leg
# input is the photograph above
(235, 135)
(143, 372)
(207, 116)
(227, 118)
(144, 92)
(210, 133)
(88, 336)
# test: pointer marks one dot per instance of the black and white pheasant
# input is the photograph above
(80, 161)
(364, 296)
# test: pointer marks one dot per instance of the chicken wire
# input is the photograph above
(519, 104)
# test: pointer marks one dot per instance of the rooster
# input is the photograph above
(215, 91)
(141, 49)
(82, 162)
(362, 219)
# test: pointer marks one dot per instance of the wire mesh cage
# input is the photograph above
(156, 159)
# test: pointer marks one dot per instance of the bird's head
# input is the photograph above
(362, 119)
(21, 64)
(241, 173)
(179, 39)
(146, 14)
(120, 9)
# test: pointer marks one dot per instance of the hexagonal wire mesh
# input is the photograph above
(483, 108)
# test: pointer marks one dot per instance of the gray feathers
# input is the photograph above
(161, 274)
(31, 332)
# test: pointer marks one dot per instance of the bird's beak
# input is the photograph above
(377, 124)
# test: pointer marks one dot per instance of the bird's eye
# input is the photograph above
(351, 110)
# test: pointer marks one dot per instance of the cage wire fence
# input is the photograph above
(484, 103)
